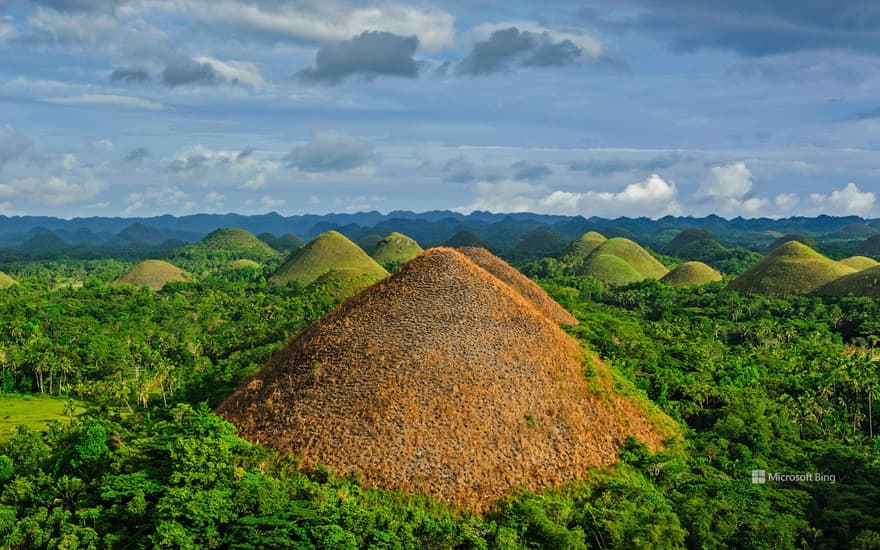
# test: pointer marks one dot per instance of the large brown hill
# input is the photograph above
(522, 284)
(441, 379)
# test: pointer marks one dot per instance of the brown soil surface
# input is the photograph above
(522, 284)
(441, 379)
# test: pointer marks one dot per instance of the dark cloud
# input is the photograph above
(757, 27)
(136, 155)
(245, 153)
(13, 144)
(78, 5)
(509, 48)
(368, 55)
(530, 172)
(605, 167)
(127, 74)
(188, 71)
(459, 170)
(331, 152)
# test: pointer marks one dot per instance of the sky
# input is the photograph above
(607, 108)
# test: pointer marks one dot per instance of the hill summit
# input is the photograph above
(394, 250)
(331, 250)
(792, 268)
(154, 274)
(620, 261)
(232, 242)
(859, 262)
(581, 247)
(691, 274)
(6, 281)
(440, 379)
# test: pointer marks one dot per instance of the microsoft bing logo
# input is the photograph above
(759, 477)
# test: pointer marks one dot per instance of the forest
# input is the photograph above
(136, 457)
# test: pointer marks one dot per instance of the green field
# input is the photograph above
(33, 411)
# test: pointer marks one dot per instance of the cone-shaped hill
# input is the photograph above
(395, 250)
(466, 237)
(519, 282)
(581, 247)
(793, 268)
(540, 243)
(285, 243)
(331, 250)
(229, 243)
(441, 379)
(695, 244)
(858, 262)
(6, 281)
(861, 283)
(620, 261)
(154, 274)
(691, 274)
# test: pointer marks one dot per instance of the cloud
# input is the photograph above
(606, 167)
(137, 154)
(78, 5)
(531, 172)
(234, 72)
(130, 74)
(368, 55)
(511, 47)
(189, 71)
(154, 198)
(108, 100)
(244, 169)
(270, 203)
(330, 151)
(52, 190)
(867, 115)
(653, 196)
(205, 70)
(848, 201)
(13, 144)
(756, 28)
(731, 181)
(459, 170)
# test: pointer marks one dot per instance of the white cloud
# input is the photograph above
(270, 203)
(786, 201)
(68, 161)
(246, 169)
(235, 71)
(54, 190)
(731, 181)
(6, 209)
(848, 201)
(108, 100)
(164, 197)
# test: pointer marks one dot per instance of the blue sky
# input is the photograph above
(632, 107)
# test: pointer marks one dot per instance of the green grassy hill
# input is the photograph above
(331, 250)
(610, 269)
(630, 253)
(395, 250)
(793, 268)
(230, 242)
(802, 239)
(861, 283)
(541, 243)
(154, 274)
(344, 282)
(695, 244)
(691, 274)
(581, 247)
(6, 281)
(285, 243)
(858, 262)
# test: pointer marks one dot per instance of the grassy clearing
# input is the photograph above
(33, 411)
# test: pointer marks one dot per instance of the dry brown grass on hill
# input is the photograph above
(442, 379)
(522, 284)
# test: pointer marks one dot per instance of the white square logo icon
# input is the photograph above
(759, 477)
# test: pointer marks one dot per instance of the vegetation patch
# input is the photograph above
(154, 274)
(6, 281)
(331, 250)
(35, 412)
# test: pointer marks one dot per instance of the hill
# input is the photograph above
(369, 242)
(793, 268)
(244, 264)
(440, 379)
(581, 247)
(861, 283)
(858, 262)
(344, 282)
(395, 250)
(286, 243)
(871, 246)
(466, 237)
(331, 250)
(695, 244)
(803, 239)
(519, 282)
(541, 243)
(621, 261)
(6, 281)
(691, 274)
(154, 274)
(229, 243)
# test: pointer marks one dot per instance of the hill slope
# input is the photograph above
(230, 243)
(792, 268)
(519, 282)
(440, 379)
(620, 261)
(331, 250)
(394, 250)
(858, 262)
(6, 281)
(154, 274)
(691, 274)
(695, 244)
(861, 283)
(581, 247)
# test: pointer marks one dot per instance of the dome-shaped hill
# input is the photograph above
(439, 379)
(541, 243)
(802, 239)
(244, 264)
(696, 244)
(331, 250)
(691, 274)
(637, 258)
(519, 282)
(6, 281)
(581, 247)
(231, 242)
(466, 237)
(154, 274)
(858, 262)
(871, 246)
(285, 243)
(854, 230)
(395, 250)
(793, 268)
(861, 283)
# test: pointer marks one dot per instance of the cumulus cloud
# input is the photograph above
(137, 154)
(459, 170)
(54, 190)
(530, 172)
(130, 74)
(188, 71)
(330, 151)
(508, 48)
(154, 198)
(234, 72)
(730, 181)
(245, 168)
(368, 55)
(848, 201)
(108, 100)
(13, 144)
